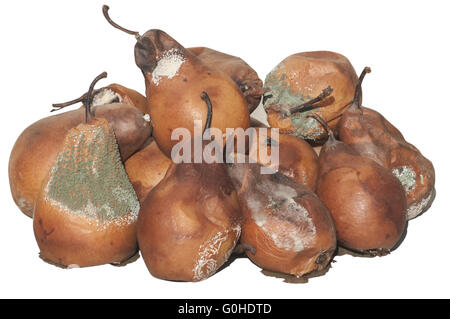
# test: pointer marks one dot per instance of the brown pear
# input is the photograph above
(240, 72)
(299, 79)
(175, 79)
(36, 148)
(366, 200)
(296, 158)
(189, 223)
(289, 229)
(146, 169)
(86, 211)
(371, 135)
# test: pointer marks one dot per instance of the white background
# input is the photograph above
(51, 50)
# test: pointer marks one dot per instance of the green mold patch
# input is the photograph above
(407, 176)
(282, 95)
(281, 92)
(307, 128)
(89, 178)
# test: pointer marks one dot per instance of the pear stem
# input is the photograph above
(105, 10)
(357, 99)
(59, 106)
(90, 94)
(325, 125)
(205, 97)
(325, 93)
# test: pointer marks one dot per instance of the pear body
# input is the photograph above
(86, 211)
(301, 77)
(35, 150)
(366, 200)
(175, 80)
(189, 223)
(291, 230)
(373, 136)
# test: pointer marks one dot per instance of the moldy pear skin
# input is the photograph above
(297, 159)
(371, 135)
(238, 70)
(36, 148)
(86, 212)
(175, 80)
(289, 227)
(189, 223)
(299, 78)
(146, 169)
(367, 202)
(128, 96)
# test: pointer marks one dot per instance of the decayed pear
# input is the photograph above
(146, 169)
(86, 211)
(366, 200)
(372, 136)
(298, 79)
(175, 79)
(36, 148)
(190, 222)
(289, 229)
(240, 72)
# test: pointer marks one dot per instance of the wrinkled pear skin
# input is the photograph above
(175, 80)
(367, 202)
(372, 136)
(297, 159)
(301, 77)
(289, 227)
(237, 69)
(93, 222)
(189, 223)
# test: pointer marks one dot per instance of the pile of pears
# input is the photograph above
(101, 185)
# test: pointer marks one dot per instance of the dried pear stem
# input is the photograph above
(105, 10)
(324, 124)
(59, 106)
(90, 94)
(357, 99)
(325, 93)
(205, 97)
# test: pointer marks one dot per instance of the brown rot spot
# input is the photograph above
(111, 243)
(46, 234)
(185, 80)
(322, 259)
(388, 236)
(226, 189)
